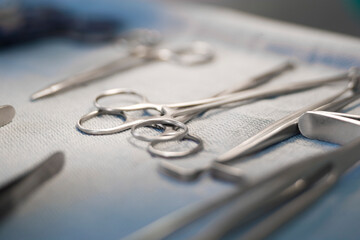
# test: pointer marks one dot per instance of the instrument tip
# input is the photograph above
(42, 93)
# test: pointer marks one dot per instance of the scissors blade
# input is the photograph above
(104, 71)
(7, 114)
(14, 192)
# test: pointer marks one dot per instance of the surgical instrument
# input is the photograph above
(301, 183)
(276, 132)
(15, 191)
(146, 51)
(177, 114)
(253, 82)
(313, 176)
(7, 114)
(344, 127)
(318, 173)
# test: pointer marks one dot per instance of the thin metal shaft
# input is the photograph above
(249, 84)
(276, 132)
(260, 79)
(104, 71)
(252, 95)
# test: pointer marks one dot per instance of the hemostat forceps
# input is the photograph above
(282, 194)
(176, 115)
(7, 114)
(276, 132)
(146, 51)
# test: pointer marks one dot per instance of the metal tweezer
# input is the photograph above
(18, 189)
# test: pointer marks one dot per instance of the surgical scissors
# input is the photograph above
(176, 115)
(282, 194)
(7, 114)
(145, 51)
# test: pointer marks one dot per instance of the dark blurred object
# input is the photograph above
(23, 24)
(16, 191)
(341, 16)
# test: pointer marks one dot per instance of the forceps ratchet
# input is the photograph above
(7, 114)
(145, 51)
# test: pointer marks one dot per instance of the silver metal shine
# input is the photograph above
(130, 121)
(276, 132)
(280, 196)
(185, 111)
(145, 51)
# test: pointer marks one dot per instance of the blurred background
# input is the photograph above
(23, 21)
(341, 16)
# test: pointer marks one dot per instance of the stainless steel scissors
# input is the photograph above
(176, 115)
(279, 197)
(7, 114)
(143, 49)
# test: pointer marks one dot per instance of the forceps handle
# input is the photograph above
(95, 74)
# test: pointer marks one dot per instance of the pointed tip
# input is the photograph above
(42, 93)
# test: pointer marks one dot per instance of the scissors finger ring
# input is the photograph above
(172, 154)
(173, 135)
(113, 92)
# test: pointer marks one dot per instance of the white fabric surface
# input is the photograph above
(110, 185)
